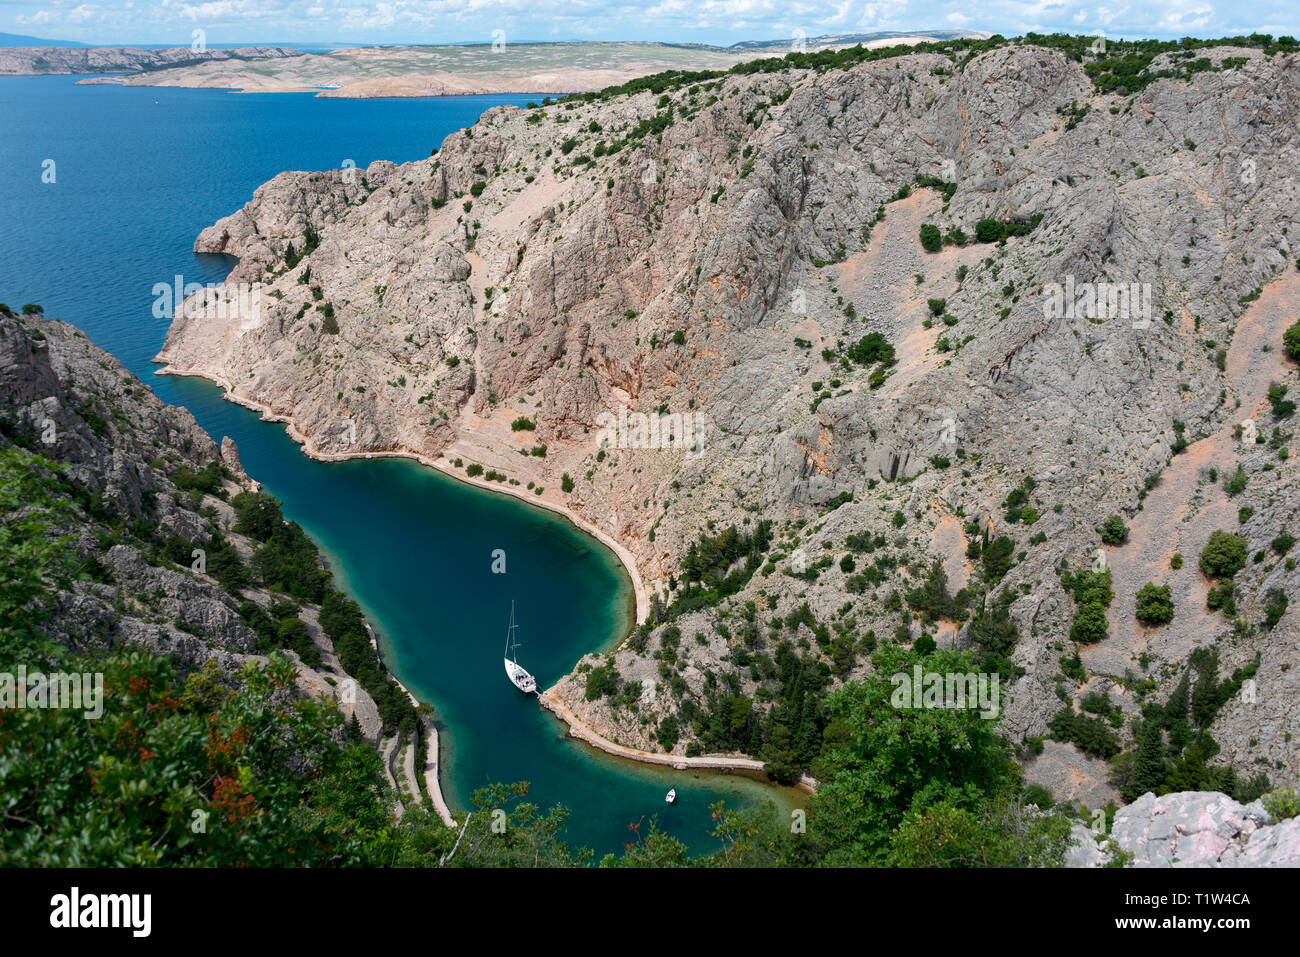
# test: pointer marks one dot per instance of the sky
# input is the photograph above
(719, 22)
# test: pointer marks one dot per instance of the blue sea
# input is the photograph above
(136, 174)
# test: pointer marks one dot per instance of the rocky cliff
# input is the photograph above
(705, 302)
(149, 519)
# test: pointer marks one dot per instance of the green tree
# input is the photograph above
(1291, 341)
(1089, 625)
(1114, 531)
(1000, 833)
(931, 239)
(994, 631)
(1275, 605)
(1149, 767)
(1155, 605)
(1223, 555)
(889, 762)
(990, 231)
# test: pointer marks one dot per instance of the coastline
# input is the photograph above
(641, 593)
(576, 728)
(432, 752)
(547, 699)
(720, 762)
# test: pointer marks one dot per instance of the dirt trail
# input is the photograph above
(408, 773)
(388, 752)
(1179, 514)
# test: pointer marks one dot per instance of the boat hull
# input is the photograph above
(520, 678)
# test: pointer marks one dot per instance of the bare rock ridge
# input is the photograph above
(742, 255)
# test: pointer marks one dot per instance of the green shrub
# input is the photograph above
(871, 348)
(990, 231)
(1089, 734)
(1283, 804)
(602, 682)
(1237, 484)
(1223, 555)
(1221, 598)
(206, 480)
(1114, 531)
(1291, 341)
(1155, 604)
(931, 240)
(1092, 596)
(1275, 604)
(1089, 624)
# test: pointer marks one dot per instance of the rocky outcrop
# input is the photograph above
(128, 462)
(712, 250)
(1192, 829)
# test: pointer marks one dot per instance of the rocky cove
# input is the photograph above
(694, 248)
(414, 531)
(842, 268)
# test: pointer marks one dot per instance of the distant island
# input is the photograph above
(382, 71)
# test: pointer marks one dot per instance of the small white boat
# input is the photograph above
(671, 797)
(518, 675)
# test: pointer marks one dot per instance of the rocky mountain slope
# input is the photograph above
(936, 447)
(164, 563)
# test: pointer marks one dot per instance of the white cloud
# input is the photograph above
(711, 21)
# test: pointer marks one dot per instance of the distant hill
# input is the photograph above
(850, 39)
(18, 40)
(46, 59)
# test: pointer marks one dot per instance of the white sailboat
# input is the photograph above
(518, 676)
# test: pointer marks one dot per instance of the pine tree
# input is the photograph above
(1149, 768)
(1176, 713)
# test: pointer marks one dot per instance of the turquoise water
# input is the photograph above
(139, 173)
